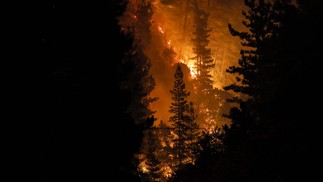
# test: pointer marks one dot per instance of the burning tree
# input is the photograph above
(207, 97)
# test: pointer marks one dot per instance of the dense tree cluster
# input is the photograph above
(266, 140)
(270, 134)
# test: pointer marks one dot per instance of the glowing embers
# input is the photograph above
(161, 30)
(167, 171)
(143, 167)
(169, 42)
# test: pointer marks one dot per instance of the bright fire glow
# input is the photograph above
(167, 171)
(169, 42)
(172, 27)
(185, 60)
(143, 167)
(161, 29)
(192, 69)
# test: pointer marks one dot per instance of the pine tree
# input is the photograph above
(140, 84)
(204, 62)
(260, 73)
(192, 133)
(182, 121)
(144, 12)
(256, 70)
(208, 99)
(263, 61)
(253, 65)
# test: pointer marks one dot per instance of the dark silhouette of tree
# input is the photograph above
(257, 21)
(258, 138)
(140, 83)
(207, 97)
(182, 122)
(256, 68)
(269, 138)
(204, 61)
(165, 149)
(209, 162)
(144, 11)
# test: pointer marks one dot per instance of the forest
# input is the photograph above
(179, 91)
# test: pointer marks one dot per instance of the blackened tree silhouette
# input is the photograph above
(140, 83)
(182, 122)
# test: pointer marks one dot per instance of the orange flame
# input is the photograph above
(185, 60)
(161, 30)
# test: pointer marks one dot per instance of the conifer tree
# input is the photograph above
(207, 98)
(140, 84)
(144, 13)
(262, 27)
(182, 121)
(257, 79)
(262, 64)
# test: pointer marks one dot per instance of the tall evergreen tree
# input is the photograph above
(264, 142)
(266, 60)
(204, 62)
(207, 97)
(140, 84)
(182, 121)
(256, 70)
(144, 12)
(253, 66)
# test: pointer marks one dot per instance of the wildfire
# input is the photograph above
(143, 167)
(170, 32)
(184, 60)
(192, 70)
(161, 30)
(167, 171)
(190, 65)
(169, 42)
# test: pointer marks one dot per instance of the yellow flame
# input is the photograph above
(169, 42)
(143, 167)
(190, 65)
(192, 70)
(161, 30)
(185, 60)
(167, 171)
